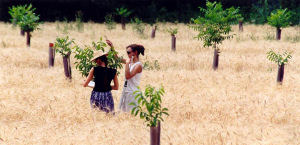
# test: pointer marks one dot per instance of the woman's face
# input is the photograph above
(98, 61)
(130, 53)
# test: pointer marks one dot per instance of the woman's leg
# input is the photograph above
(122, 101)
(92, 100)
(130, 99)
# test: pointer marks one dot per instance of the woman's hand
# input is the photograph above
(129, 60)
(83, 84)
(109, 43)
(89, 78)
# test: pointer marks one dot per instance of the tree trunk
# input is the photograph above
(123, 23)
(28, 38)
(155, 135)
(22, 32)
(241, 29)
(51, 55)
(280, 73)
(153, 32)
(216, 59)
(278, 33)
(173, 43)
(67, 66)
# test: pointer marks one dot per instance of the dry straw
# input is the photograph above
(239, 103)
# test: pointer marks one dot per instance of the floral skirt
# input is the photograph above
(102, 100)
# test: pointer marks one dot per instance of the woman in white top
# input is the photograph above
(133, 72)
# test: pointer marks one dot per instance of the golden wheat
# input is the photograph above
(240, 103)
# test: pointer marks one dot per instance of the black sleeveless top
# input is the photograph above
(103, 77)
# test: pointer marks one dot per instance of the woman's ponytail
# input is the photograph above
(136, 47)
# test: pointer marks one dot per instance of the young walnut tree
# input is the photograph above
(281, 60)
(214, 26)
(279, 19)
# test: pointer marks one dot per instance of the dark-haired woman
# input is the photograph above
(101, 96)
(133, 73)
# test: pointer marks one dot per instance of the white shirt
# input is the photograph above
(133, 82)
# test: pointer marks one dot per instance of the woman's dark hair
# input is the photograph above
(103, 58)
(136, 47)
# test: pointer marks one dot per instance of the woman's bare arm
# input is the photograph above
(116, 83)
(89, 78)
(136, 69)
(109, 43)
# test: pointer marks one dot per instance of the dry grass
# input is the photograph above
(239, 103)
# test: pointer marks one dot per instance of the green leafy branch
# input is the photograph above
(24, 17)
(172, 31)
(278, 58)
(280, 18)
(83, 60)
(215, 24)
(149, 105)
(63, 45)
(123, 12)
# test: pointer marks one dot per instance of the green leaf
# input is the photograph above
(137, 111)
(133, 109)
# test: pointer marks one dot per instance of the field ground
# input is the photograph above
(240, 103)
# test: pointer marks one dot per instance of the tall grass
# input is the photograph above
(238, 104)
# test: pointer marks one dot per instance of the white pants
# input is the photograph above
(127, 97)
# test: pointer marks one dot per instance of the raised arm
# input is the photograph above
(136, 69)
(109, 43)
(89, 78)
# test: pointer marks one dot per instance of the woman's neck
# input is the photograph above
(102, 65)
(135, 59)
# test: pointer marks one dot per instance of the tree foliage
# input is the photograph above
(24, 17)
(149, 105)
(83, 60)
(63, 45)
(280, 18)
(109, 22)
(123, 12)
(172, 31)
(215, 24)
(138, 26)
(83, 56)
(279, 58)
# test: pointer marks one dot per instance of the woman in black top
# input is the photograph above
(101, 96)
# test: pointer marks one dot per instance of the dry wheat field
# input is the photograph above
(239, 104)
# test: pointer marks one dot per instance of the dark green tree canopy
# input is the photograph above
(215, 24)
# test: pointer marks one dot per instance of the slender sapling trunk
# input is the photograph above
(216, 58)
(241, 29)
(123, 23)
(278, 33)
(28, 38)
(67, 66)
(155, 135)
(280, 73)
(173, 43)
(153, 32)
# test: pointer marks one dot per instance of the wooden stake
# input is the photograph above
(51, 55)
